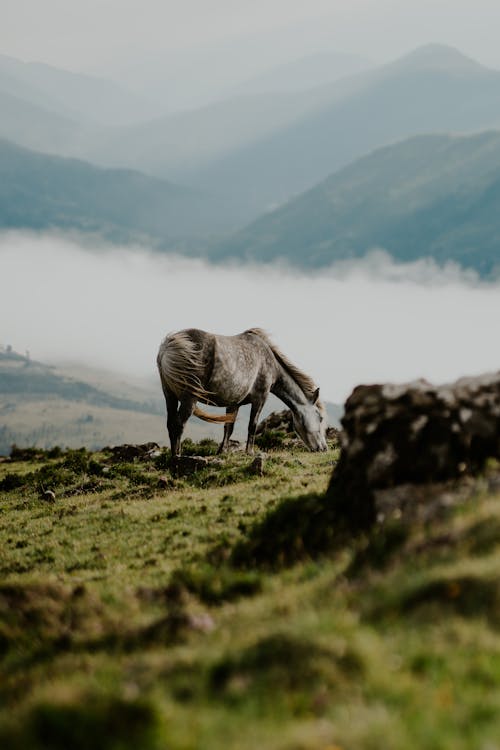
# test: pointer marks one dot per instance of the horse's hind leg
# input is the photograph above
(228, 429)
(177, 416)
(173, 426)
(186, 409)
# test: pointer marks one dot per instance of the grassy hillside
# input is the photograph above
(42, 406)
(126, 621)
(429, 196)
(38, 191)
(20, 375)
(46, 406)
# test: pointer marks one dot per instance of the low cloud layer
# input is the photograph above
(359, 322)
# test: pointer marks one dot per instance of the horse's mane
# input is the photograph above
(305, 383)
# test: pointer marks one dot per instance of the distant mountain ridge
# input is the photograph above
(305, 73)
(440, 200)
(39, 191)
(434, 89)
(79, 97)
(21, 375)
(430, 196)
(253, 153)
(34, 125)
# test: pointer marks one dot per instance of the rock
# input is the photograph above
(333, 435)
(130, 452)
(277, 420)
(282, 421)
(202, 623)
(257, 465)
(49, 496)
(191, 464)
(412, 433)
(164, 483)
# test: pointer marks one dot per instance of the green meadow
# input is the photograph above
(215, 610)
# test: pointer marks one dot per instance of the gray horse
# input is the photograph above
(231, 371)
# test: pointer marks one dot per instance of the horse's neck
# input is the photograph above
(287, 390)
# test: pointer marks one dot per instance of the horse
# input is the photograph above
(196, 366)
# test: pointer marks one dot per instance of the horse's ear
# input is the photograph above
(315, 397)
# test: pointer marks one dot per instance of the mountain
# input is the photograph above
(79, 97)
(215, 69)
(34, 125)
(38, 191)
(434, 89)
(430, 196)
(306, 73)
(21, 375)
(252, 153)
(184, 142)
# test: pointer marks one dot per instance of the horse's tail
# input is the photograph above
(180, 366)
(224, 418)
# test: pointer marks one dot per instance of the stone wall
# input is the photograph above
(413, 433)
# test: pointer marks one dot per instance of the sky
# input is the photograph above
(371, 321)
(106, 35)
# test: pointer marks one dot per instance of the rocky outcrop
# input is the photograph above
(412, 433)
(187, 465)
(277, 420)
(132, 452)
(282, 421)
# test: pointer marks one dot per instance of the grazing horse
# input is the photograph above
(231, 371)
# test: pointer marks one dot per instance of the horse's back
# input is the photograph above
(228, 368)
(241, 363)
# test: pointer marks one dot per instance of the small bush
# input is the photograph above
(215, 585)
(206, 447)
(271, 440)
(380, 546)
(26, 454)
(467, 596)
(284, 663)
(134, 474)
(12, 482)
(55, 452)
(484, 536)
(162, 462)
(76, 461)
(101, 724)
(297, 529)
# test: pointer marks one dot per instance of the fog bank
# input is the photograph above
(368, 321)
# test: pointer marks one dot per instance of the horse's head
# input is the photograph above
(310, 423)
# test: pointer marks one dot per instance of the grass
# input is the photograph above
(219, 609)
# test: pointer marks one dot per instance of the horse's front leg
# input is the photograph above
(252, 423)
(228, 429)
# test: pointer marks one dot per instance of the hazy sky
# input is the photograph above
(355, 324)
(97, 34)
